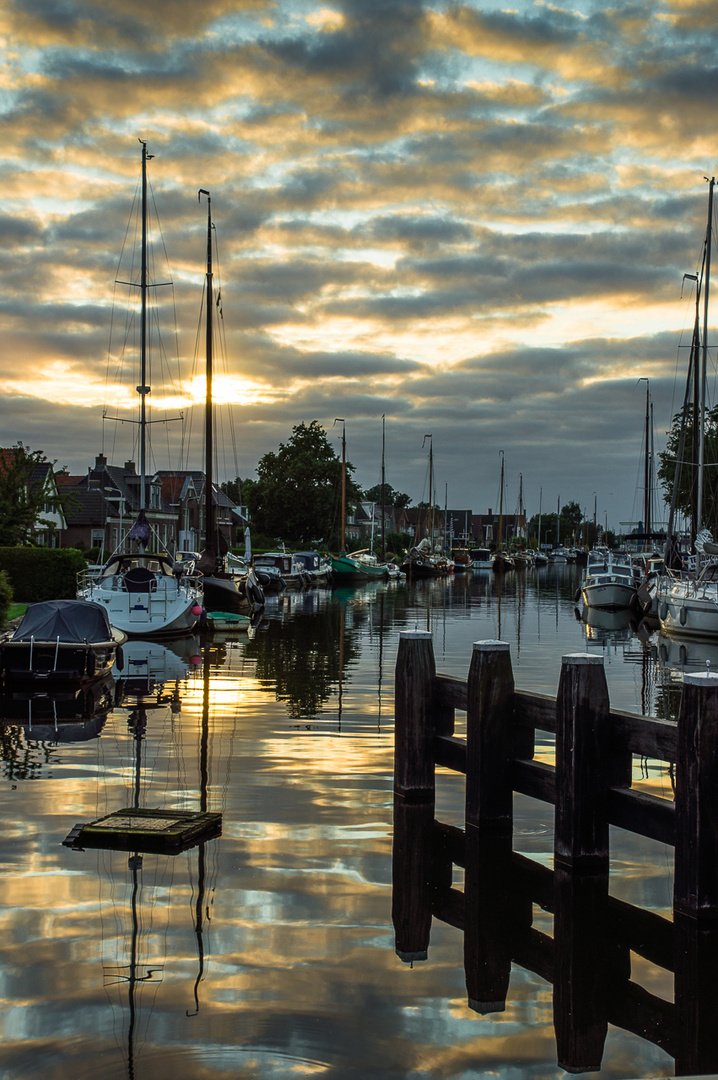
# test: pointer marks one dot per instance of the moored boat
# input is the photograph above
(61, 641)
(610, 580)
(317, 568)
(481, 558)
(143, 592)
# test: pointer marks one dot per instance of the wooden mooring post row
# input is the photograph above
(588, 959)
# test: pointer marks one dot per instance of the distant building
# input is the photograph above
(50, 521)
(101, 507)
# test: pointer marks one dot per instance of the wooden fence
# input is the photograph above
(588, 959)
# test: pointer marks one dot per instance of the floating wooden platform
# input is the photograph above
(160, 831)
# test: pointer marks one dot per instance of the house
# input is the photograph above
(485, 528)
(101, 507)
(41, 487)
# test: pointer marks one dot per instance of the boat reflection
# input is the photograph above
(60, 714)
(150, 665)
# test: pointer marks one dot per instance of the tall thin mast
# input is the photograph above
(143, 389)
(339, 420)
(383, 492)
(431, 486)
(209, 528)
(704, 364)
(501, 503)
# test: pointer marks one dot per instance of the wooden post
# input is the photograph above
(489, 918)
(489, 736)
(581, 968)
(412, 880)
(413, 716)
(696, 956)
(695, 891)
(582, 752)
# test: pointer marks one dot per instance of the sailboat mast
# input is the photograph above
(339, 420)
(383, 491)
(704, 358)
(501, 503)
(210, 531)
(143, 389)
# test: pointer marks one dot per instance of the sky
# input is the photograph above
(470, 219)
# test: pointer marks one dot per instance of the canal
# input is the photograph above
(270, 951)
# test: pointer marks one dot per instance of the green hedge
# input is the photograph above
(37, 573)
(5, 597)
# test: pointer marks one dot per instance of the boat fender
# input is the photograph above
(119, 658)
(683, 655)
(683, 616)
(577, 596)
(203, 617)
(664, 611)
(91, 663)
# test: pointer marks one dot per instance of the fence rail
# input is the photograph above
(588, 960)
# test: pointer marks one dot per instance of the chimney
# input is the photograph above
(100, 462)
(129, 466)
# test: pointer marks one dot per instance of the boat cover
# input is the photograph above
(70, 620)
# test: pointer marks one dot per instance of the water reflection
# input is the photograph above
(270, 951)
(587, 959)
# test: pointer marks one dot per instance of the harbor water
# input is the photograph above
(269, 952)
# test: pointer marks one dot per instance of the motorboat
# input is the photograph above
(281, 570)
(481, 558)
(317, 569)
(61, 641)
(610, 580)
(462, 559)
(145, 594)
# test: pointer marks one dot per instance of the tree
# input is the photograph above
(22, 497)
(297, 495)
(667, 467)
(391, 497)
(570, 523)
(234, 489)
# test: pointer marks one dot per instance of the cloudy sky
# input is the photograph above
(469, 218)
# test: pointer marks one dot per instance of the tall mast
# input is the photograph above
(209, 528)
(647, 466)
(339, 420)
(704, 359)
(383, 493)
(143, 389)
(501, 503)
(431, 486)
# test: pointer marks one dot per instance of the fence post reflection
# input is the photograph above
(596, 936)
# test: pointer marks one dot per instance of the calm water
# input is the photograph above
(270, 951)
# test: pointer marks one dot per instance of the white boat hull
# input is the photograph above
(685, 610)
(612, 594)
(171, 609)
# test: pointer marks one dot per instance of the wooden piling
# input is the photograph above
(413, 716)
(489, 736)
(695, 892)
(582, 744)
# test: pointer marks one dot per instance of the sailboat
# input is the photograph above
(502, 559)
(420, 561)
(356, 566)
(687, 604)
(144, 592)
(221, 589)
